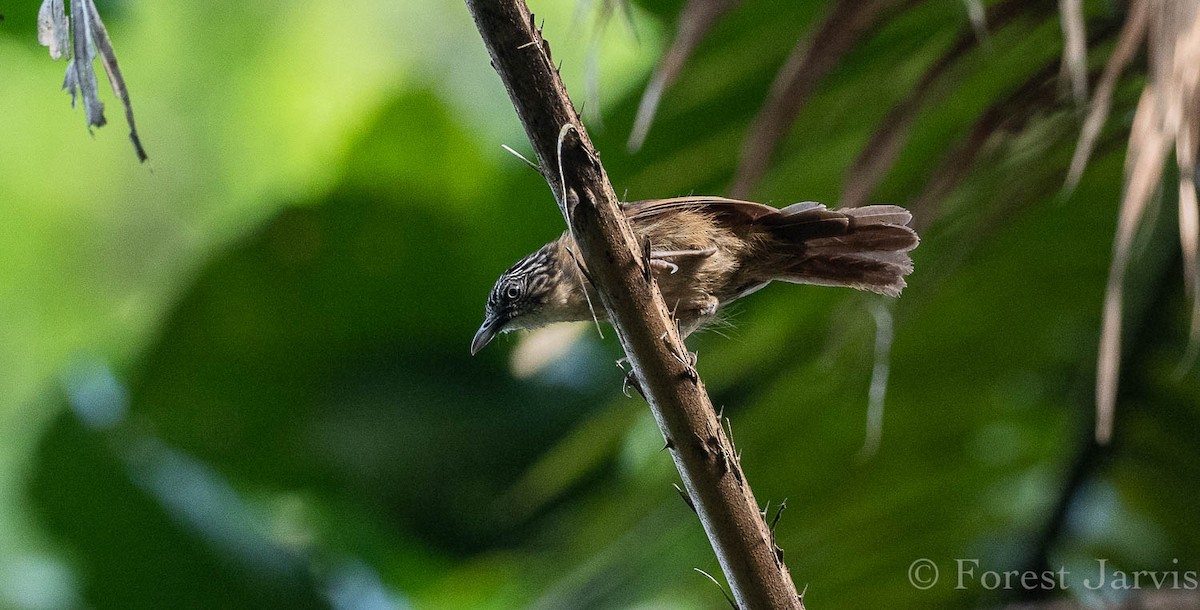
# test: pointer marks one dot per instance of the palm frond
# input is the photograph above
(810, 61)
(695, 21)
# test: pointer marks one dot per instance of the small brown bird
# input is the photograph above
(708, 251)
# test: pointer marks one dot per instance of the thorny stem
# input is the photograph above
(703, 454)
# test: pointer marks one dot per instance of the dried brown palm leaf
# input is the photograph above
(881, 152)
(1185, 85)
(1074, 48)
(811, 60)
(1128, 43)
(1011, 114)
(1168, 113)
(591, 60)
(695, 21)
(977, 15)
(1189, 236)
(1148, 147)
(883, 149)
(953, 168)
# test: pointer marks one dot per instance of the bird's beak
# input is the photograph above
(491, 326)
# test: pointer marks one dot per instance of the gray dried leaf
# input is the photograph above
(109, 58)
(81, 78)
(52, 28)
(82, 40)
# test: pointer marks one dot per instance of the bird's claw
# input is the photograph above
(630, 380)
(662, 265)
(688, 360)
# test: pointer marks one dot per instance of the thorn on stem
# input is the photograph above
(521, 157)
(729, 599)
(686, 499)
(778, 513)
(715, 449)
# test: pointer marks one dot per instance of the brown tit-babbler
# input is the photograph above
(706, 252)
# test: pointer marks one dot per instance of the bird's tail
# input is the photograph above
(864, 248)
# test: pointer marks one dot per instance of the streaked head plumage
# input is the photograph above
(520, 293)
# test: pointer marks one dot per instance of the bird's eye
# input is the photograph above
(513, 291)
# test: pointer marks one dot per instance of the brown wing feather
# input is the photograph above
(731, 209)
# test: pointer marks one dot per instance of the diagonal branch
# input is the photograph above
(701, 451)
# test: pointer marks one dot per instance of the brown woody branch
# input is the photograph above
(703, 454)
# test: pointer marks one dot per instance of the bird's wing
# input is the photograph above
(808, 217)
(730, 210)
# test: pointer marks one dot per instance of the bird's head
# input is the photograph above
(521, 296)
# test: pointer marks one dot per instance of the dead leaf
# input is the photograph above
(1148, 146)
(1128, 42)
(81, 77)
(1074, 48)
(695, 20)
(86, 37)
(811, 60)
(53, 28)
(883, 149)
(109, 58)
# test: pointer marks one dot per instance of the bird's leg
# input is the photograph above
(688, 360)
(698, 313)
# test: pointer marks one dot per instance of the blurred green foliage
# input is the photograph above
(239, 377)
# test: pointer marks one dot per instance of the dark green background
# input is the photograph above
(238, 376)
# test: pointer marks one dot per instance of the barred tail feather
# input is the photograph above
(861, 272)
(864, 248)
